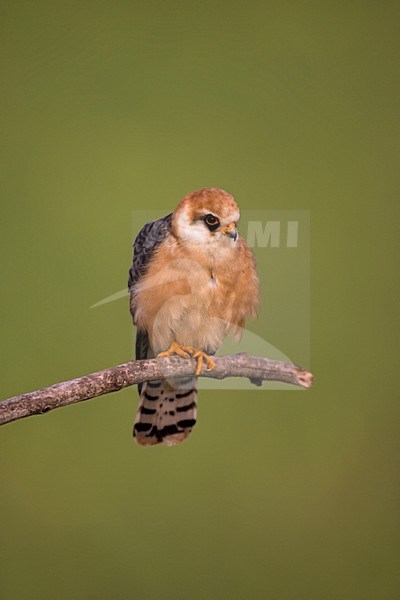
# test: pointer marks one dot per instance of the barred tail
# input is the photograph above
(167, 411)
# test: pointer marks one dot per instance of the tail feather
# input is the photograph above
(167, 411)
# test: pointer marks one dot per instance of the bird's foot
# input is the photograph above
(189, 352)
(175, 348)
(201, 358)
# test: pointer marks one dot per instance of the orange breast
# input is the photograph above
(193, 297)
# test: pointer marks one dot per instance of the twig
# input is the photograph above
(256, 368)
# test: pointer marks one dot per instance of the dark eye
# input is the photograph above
(212, 222)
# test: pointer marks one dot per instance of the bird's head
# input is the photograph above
(208, 216)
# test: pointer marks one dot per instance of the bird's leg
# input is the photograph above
(188, 351)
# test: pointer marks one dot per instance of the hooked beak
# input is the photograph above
(233, 234)
(231, 231)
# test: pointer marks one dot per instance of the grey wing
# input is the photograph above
(147, 241)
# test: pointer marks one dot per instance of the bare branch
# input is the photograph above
(256, 368)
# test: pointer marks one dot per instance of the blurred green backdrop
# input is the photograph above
(108, 107)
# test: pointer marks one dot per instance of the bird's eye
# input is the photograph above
(212, 222)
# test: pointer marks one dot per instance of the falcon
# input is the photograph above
(193, 280)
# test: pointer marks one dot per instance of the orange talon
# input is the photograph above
(202, 356)
(199, 357)
(187, 352)
(174, 349)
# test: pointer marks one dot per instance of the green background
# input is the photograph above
(109, 107)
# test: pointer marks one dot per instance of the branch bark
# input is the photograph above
(256, 368)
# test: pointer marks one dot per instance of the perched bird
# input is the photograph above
(193, 280)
